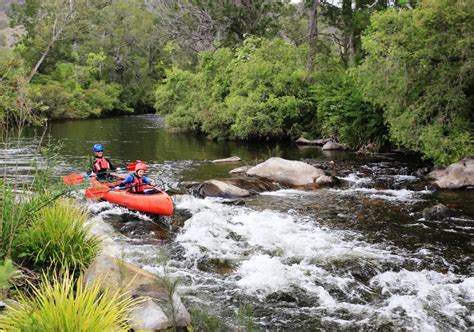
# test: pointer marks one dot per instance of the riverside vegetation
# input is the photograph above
(45, 246)
(394, 73)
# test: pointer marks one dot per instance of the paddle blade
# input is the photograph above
(73, 178)
(96, 193)
(131, 167)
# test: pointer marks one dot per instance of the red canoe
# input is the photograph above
(155, 203)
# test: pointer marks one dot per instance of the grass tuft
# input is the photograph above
(59, 238)
(64, 304)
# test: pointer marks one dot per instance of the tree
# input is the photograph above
(419, 67)
(46, 22)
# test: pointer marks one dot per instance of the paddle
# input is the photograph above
(77, 178)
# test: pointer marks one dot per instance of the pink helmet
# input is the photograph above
(140, 166)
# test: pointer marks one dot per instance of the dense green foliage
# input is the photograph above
(65, 304)
(385, 72)
(257, 91)
(420, 69)
(58, 238)
(342, 111)
(72, 91)
(261, 90)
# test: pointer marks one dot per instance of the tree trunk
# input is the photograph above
(312, 35)
(40, 61)
(348, 23)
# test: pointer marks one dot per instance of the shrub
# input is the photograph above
(66, 305)
(257, 91)
(342, 111)
(71, 91)
(58, 238)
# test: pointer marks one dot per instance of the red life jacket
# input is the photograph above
(101, 164)
(137, 186)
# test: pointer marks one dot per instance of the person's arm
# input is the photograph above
(122, 184)
(147, 180)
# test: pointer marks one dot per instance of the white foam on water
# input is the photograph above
(283, 253)
(356, 179)
(427, 300)
(287, 193)
(228, 232)
(401, 195)
(403, 178)
(104, 208)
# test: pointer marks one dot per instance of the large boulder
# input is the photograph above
(216, 188)
(157, 311)
(287, 172)
(455, 176)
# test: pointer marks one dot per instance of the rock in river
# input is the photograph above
(288, 172)
(233, 159)
(304, 141)
(241, 169)
(156, 312)
(333, 146)
(455, 176)
(216, 188)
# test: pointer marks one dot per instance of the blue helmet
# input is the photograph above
(98, 147)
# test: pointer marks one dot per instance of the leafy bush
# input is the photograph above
(342, 111)
(71, 91)
(420, 69)
(67, 305)
(58, 238)
(257, 91)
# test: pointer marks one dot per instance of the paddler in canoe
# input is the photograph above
(137, 181)
(101, 166)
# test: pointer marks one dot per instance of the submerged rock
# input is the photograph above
(157, 312)
(287, 172)
(455, 176)
(216, 188)
(437, 211)
(233, 159)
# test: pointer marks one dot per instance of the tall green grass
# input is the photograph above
(66, 305)
(59, 239)
(18, 208)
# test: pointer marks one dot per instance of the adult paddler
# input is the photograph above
(101, 166)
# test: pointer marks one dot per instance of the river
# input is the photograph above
(359, 256)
